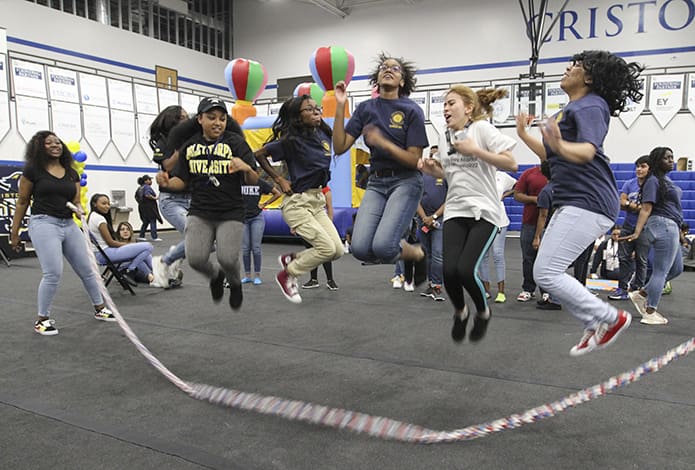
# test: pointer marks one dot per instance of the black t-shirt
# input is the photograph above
(252, 195)
(199, 160)
(161, 151)
(50, 194)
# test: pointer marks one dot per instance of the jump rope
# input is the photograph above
(362, 423)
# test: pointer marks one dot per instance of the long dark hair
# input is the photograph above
(612, 78)
(655, 169)
(107, 216)
(165, 121)
(288, 126)
(407, 72)
(36, 157)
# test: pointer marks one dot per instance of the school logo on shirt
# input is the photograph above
(397, 119)
(439, 182)
(200, 161)
(326, 147)
(558, 117)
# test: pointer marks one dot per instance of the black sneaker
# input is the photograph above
(104, 315)
(236, 296)
(458, 331)
(427, 293)
(45, 327)
(548, 305)
(437, 294)
(217, 286)
(311, 284)
(479, 328)
(331, 284)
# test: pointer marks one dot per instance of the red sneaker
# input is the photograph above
(607, 333)
(286, 259)
(288, 286)
(585, 345)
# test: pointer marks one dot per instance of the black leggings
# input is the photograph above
(465, 242)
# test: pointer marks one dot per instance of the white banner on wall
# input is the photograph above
(437, 110)
(144, 122)
(691, 93)
(420, 97)
(97, 131)
(3, 72)
(502, 108)
(67, 123)
(146, 99)
(120, 95)
(190, 103)
(555, 99)
(261, 110)
(32, 116)
(62, 85)
(274, 109)
(28, 79)
(167, 98)
(123, 131)
(93, 90)
(633, 110)
(665, 97)
(4, 114)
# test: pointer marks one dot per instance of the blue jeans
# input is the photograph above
(663, 235)
(528, 256)
(251, 242)
(52, 239)
(628, 265)
(385, 213)
(497, 250)
(152, 223)
(174, 209)
(433, 244)
(138, 256)
(570, 231)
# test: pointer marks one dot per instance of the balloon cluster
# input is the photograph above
(78, 164)
(246, 80)
(329, 65)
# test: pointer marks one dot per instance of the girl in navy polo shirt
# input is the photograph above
(585, 195)
(394, 130)
(303, 140)
(661, 217)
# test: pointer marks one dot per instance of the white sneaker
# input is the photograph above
(160, 273)
(397, 282)
(174, 269)
(408, 286)
(639, 301)
(654, 318)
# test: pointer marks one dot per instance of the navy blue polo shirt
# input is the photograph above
(308, 159)
(670, 206)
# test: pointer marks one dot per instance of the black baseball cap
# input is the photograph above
(210, 103)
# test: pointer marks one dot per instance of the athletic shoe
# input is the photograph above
(639, 301)
(246, 280)
(104, 315)
(654, 318)
(667, 289)
(160, 271)
(585, 344)
(331, 285)
(606, 333)
(397, 281)
(458, 331)
(217, 286)
(174, 270)
(427, 293)
(236, 296)
(408, 286)
(257, 281)
(311, 284)
(286, 259)
(45, 327)
(618, 294)
(525, 296)
(142, 239)
(501, 298)
(479, 328)
(437, 294)
(157, 239)
(288, 286)
(548, 305)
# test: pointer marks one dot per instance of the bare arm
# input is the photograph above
(106, 235)
(342, 141)
(174, 182)
(575, 152)
(536, 146)
(170, 163)
(25, 189)
(275, 196)
(644, 214)
(431, 166)
(525, 198)
(540, 225)
(262, 159)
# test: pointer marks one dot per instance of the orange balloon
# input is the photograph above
(241, 110)
(329, 104)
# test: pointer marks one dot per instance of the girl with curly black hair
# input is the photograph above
(303, 140)
(585, 197)
(661, 217)
(393, 127)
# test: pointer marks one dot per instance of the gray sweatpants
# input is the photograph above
(201, 235)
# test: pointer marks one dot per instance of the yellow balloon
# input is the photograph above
(73, 146)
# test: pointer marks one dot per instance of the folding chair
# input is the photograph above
(112, 270)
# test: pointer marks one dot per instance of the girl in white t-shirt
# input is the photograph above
(471, 152)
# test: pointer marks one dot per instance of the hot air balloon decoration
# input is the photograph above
(246, 80)
(329, 65)
(311, 89)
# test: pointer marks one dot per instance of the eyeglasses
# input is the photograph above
(390, 68)
(312, 109)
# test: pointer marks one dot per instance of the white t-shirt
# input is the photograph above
(473, 182)
(505, 183)
(95, 220)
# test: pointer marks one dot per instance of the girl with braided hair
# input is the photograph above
(585, 195)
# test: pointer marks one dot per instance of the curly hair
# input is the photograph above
(408, 70)
(35, 155)
(481, 100)
(612, 78)
(165, 121)
(655, 169)
(288, 126)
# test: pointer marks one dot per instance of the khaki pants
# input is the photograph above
(305, 213)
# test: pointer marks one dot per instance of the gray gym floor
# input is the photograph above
(87, 399)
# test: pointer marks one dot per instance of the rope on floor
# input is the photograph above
(376, 426)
